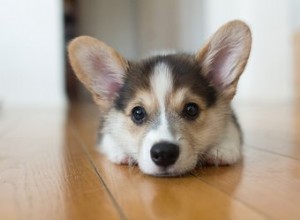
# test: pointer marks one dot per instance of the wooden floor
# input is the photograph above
(49, 170)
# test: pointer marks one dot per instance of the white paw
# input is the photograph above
(114, 153)
(119, 159)
(222, 156)
(228, 151)
(122, 159)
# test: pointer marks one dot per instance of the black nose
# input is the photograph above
(164, 153)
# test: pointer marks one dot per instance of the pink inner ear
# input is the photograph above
(112, 87)
(222, 66)
(105, 74)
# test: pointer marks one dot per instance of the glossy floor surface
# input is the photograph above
(50, 170)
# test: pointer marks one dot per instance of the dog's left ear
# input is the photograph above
(225, 56)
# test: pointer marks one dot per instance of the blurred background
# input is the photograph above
(34, 70)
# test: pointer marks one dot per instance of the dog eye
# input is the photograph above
(190, 111)
(138, 115)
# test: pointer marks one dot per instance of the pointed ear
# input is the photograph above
(99, 67)
(225, 56)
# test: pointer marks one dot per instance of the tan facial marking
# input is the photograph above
(179, 98)
(145, 99)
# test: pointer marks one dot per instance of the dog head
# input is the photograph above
(166, 110)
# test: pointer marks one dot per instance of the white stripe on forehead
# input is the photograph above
(161, 84)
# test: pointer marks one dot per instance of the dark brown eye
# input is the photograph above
(191, 111)
(138, 115)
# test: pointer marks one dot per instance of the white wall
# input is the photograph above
(295, 15)
(31, 54)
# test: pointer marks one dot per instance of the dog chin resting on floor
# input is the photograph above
(169, 112)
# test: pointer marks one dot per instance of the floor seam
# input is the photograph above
(250, 146)
(114, 201)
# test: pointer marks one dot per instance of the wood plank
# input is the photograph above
(288, 147)
(278, 119)
(268, 183)
(44, 173)
(272, 128)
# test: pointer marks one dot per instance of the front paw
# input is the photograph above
(119, 159)
(113, 152)
(222, 156)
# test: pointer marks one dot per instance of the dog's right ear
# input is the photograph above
(99, 67)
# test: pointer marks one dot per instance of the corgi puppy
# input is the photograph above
(169, 112)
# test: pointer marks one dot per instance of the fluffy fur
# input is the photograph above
(163, 86)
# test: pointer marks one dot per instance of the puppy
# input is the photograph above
(169, 112)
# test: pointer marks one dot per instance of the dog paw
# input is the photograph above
(113, 152)
(121, 159)
(222, 156)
